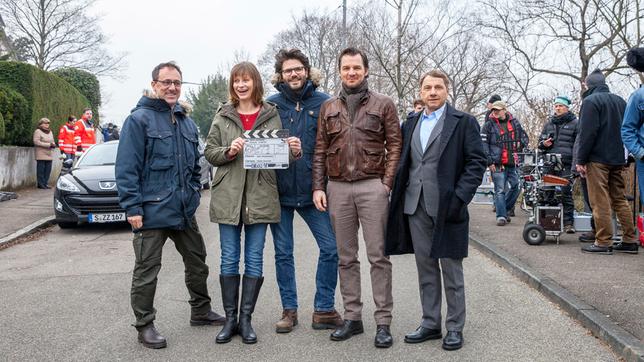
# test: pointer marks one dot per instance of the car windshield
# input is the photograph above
(100, 155)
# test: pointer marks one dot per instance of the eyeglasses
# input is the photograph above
(167, 83)
(297, 70)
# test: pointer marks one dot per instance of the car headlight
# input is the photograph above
(66, 185)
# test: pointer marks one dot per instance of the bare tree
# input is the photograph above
(476, 71)
(402, 49)
(567, 37)
(316, 34)
(60, 33)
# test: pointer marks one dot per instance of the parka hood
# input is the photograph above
(151, 100)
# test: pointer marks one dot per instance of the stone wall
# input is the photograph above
(18, 168)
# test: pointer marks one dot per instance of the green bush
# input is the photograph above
(46, 95)
(14, 112)
(86, 83)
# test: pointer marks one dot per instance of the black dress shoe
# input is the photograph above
(383, 337)
(453, 340)
(149, 337)
(422, 334)
(348, 329)
(209, 319)
(630, 248)
(596, 249)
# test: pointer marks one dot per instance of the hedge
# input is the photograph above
(47, 95)
(86, 83)
(14, 112)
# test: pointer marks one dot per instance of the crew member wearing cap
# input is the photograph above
(599, 157)
(503, 137)
(558, 137)
(490, 102)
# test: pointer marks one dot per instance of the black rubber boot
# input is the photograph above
(250, 292)
(230, 297)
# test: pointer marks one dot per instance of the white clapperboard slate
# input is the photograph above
(266, 149)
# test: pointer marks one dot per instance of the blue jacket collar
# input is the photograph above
(159, 105)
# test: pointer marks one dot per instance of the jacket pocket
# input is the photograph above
(156, 197)
(333, 162)
(456, 210)
(310, 133)
(160, 142)
(333, 123)
(220, 174)
(191, 150)
(373, 123)
(161, 163)
(374, 160)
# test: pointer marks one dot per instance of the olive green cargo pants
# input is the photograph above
(148, 245)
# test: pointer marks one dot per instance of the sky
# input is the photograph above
(201, 36)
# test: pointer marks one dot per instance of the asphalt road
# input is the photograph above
(65, 296)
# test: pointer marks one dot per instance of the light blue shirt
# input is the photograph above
(427, 124)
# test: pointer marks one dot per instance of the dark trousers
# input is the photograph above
(43, 171)
(568, 205)
(148, 245)
(421, 227)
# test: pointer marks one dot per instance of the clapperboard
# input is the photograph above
(267, 149)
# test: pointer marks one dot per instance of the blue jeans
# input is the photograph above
(230, 240)
(326, 277)
(505, 200)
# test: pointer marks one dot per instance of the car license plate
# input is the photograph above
(100, 218)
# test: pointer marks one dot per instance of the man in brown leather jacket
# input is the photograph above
(357, 150)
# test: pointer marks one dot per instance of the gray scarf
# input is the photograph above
(353, 96)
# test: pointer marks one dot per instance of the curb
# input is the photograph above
(621, 341)
(10, 239)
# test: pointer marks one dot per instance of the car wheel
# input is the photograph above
(67, 225)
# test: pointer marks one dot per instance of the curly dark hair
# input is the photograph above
(293, 53)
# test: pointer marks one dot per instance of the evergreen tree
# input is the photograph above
(205, 101)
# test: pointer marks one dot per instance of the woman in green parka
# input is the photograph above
(242, 198)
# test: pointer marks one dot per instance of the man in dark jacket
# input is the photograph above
(558, 137)
(157, 175)
(600, 159)
(441, 166)
(503, 137)
(357, 147)
(299, 103)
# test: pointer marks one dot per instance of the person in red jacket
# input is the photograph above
(66, 138)
(84, 135)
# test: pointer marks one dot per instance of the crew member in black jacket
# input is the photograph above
(600, 158)
(558, 137)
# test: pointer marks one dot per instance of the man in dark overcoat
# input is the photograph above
(441, 165)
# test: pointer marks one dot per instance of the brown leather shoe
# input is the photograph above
(327, 320)
(288, 321)
(150, 337)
